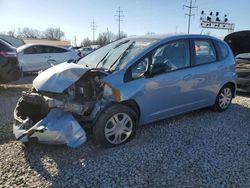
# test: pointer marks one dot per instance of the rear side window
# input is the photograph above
(52, 49)
(204, 52)
(58, 50)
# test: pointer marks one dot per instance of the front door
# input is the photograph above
(170, 92)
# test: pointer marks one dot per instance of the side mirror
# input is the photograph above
(158, 68)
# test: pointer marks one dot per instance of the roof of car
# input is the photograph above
(36, 44)
(171, 36)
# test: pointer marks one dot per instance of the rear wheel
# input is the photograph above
(115, 126)
(224, 98)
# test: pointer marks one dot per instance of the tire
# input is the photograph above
(223, 99)
(108, 129)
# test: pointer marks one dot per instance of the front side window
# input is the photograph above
(139, 70)
(34, 50)
(174, 54)
(204, 52)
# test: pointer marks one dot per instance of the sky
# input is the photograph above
(74, 17)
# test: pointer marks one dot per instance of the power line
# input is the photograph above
(190, 7)
(93, 28)
(119, 15)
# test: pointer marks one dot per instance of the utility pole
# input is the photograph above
(93, 28)
(119, 15)
(75, 43)
(190, 7)
(108, 35)
(59, 33)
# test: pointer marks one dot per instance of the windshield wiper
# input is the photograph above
(116, 46)
(121, 55)
(103, 58)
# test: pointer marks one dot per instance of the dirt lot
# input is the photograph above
(198, 149)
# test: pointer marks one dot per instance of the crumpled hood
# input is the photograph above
(239, 42)
(58, 78)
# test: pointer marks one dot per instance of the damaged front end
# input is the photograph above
(64, 98)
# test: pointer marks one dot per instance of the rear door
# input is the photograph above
(207, 72)
(58, 55)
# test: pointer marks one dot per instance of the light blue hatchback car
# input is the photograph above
(135, 80)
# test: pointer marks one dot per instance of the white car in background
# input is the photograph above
(36, 57)
(85, 51)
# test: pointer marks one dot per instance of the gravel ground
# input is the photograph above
(198, 149)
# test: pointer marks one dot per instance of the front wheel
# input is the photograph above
(115, 126)
(223, 99)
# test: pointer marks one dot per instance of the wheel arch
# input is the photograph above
(233, 85)
(133, 105)
(129, 103)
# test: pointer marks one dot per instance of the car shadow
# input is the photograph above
(41, 157)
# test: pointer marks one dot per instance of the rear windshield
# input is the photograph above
(6, 46)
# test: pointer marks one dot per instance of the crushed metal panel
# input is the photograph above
(58, 78)
(58, 127)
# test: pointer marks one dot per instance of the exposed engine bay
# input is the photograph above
(58, 117)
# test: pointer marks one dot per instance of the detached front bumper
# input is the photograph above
(56, 127)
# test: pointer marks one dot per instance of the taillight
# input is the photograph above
(3, 53)
(7, 54)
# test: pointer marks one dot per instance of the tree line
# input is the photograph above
(103, 39)
(57, 34)
(30, 33)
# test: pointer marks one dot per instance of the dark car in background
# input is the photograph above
(9, 66)
(240, 45)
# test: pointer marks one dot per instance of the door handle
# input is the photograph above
(187, 77)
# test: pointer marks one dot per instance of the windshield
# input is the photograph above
(116, 55)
